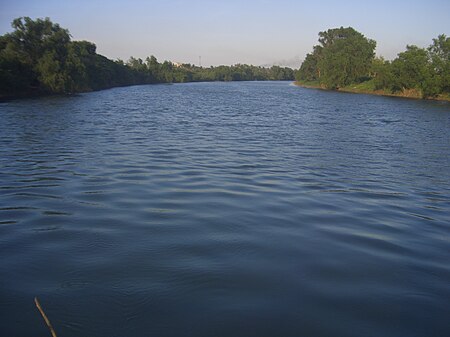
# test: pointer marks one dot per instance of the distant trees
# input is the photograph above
(151, 71)
(39, 57)
(346, 57)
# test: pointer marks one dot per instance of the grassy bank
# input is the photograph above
(368, 87)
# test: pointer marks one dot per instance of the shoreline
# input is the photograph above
(410, 94)
(37, 94)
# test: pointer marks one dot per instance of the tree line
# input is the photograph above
(39, 57)
(345, 57)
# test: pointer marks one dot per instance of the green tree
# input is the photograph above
(309, 70)
(43, 48)
(439, 53)
(346, 57)
(412, 69)
(16, 76)
(382, 74)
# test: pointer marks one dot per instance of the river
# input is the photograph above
(225, 209)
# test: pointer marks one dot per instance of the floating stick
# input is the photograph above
(38, 305)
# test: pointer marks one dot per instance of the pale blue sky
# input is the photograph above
(228, 32)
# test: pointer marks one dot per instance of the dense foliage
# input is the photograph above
(38, 57)
(345, 57)
(425, 70)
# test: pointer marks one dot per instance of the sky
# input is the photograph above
(227, 32)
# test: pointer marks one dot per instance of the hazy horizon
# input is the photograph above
(256, 32)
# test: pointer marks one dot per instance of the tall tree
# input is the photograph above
(43, 48)
(344, 56)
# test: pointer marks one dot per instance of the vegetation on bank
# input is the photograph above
(368, 87)
(39, 57)
(345, 60)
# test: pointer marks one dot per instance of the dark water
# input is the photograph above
(225, 209)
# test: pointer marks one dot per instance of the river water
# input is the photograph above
(225, 209)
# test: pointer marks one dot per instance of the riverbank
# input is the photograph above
(368, 89)
(38, 94)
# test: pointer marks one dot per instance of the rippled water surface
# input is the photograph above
(225, 209)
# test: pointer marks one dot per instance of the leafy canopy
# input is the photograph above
(344, 56)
